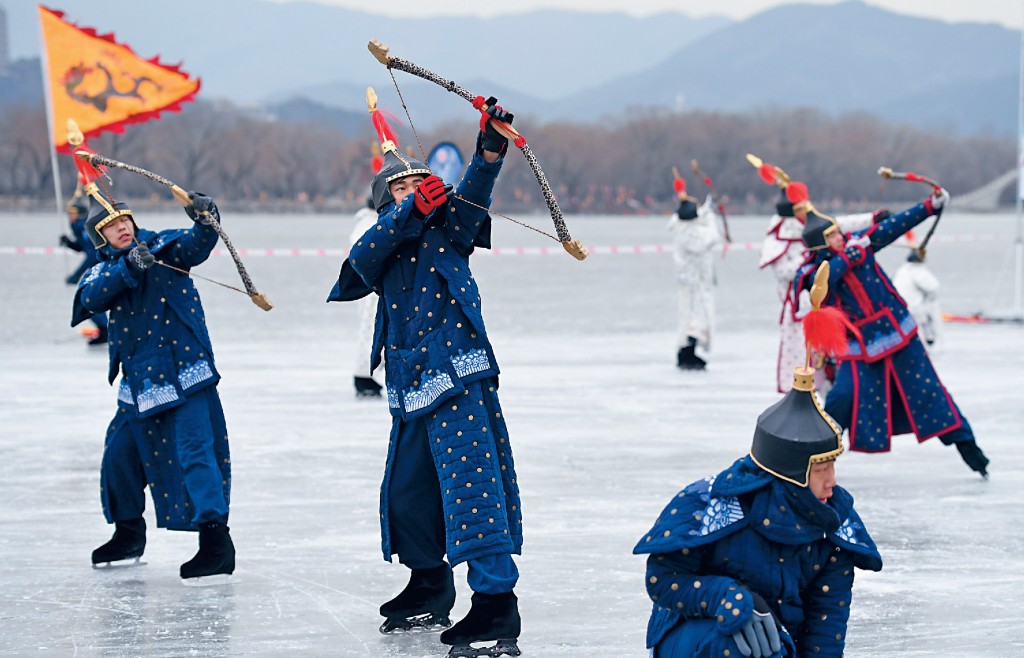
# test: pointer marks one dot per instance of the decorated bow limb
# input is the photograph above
(258, 298)
(573, 247)
(887, 173)
(769, 173)
(718, 200)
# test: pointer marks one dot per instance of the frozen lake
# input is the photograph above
(605, 430)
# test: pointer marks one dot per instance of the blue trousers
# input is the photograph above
(840, 400)
(417, 517)
(190, 428)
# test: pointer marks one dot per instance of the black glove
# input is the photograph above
(490, 139)
(139, 259)
(880, 215)
(65, 241)
(202, 208)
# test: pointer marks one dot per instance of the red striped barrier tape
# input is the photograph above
(494, 251)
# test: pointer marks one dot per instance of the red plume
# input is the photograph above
(825, 330)
(384, 131)
(376, 162)
(796, 192)
(679, 185)
(87, 173)
(767, 173)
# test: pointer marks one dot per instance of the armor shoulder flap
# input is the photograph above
(693, 518)
(854, 537)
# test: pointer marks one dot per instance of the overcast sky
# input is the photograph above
(1006, 12)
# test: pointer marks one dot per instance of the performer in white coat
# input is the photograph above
(919, 288)
(783, 251)
(696, 237)
(366, 308)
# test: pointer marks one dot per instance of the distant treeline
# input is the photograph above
(620, 166)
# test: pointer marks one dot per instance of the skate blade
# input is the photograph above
(427, 623)
(209, 581)
(126, 563)
(500, 648)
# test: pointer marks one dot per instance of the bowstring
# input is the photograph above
(405, 107)
(424, 156)
(516, 221)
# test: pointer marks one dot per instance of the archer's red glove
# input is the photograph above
(430, 194)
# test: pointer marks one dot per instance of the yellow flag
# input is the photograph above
(102, 84)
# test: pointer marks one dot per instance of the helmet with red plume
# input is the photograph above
(393, 163)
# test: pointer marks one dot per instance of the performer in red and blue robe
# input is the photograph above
(886, 384)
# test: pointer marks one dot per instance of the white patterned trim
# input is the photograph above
(94, 272)
(155, 396)
(847, 533)
(429, 391)
(392, 398)
(198, 372)
(124, 393)
(473, 361)
(719, 513)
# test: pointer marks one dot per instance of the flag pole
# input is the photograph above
(1015, 314)
(44, 64)
(1018, 270)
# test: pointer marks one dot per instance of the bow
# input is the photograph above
(573, 247)
(886, 173)
(769, 173)
(94, 160)
(716, 196)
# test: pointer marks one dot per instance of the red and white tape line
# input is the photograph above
(495, 251)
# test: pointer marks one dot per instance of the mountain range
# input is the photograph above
(308, 61)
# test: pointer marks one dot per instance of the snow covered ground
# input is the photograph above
(605, 430)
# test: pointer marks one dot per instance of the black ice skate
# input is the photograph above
(687, 359)
(492, 618)
(100, 338)
(367, 387)
(973, 456)
(125, 548)
(423, 605)
(215, 561)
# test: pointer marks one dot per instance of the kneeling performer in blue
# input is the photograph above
(449, 483)
(169, 431)
(759, 559)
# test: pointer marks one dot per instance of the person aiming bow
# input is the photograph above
(450, 486)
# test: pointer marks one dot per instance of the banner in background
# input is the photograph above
(445, 162)
(102, 84)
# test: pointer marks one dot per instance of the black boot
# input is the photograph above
(424, 604)
(973, 456)
(367, 387)
(216, 554)
(687, 358)
(491, 617)
(100, 338)
(129, 541)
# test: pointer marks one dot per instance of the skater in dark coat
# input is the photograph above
(886, 384)
(759, 560)
(78, 241)
(450, 485)
(168, 433)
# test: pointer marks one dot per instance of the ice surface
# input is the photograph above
(605, 431)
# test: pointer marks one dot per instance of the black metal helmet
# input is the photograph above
(795, 433)
(816, 230)
(103, 209)
(687, 209)
(396, 165)
(784, 207)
